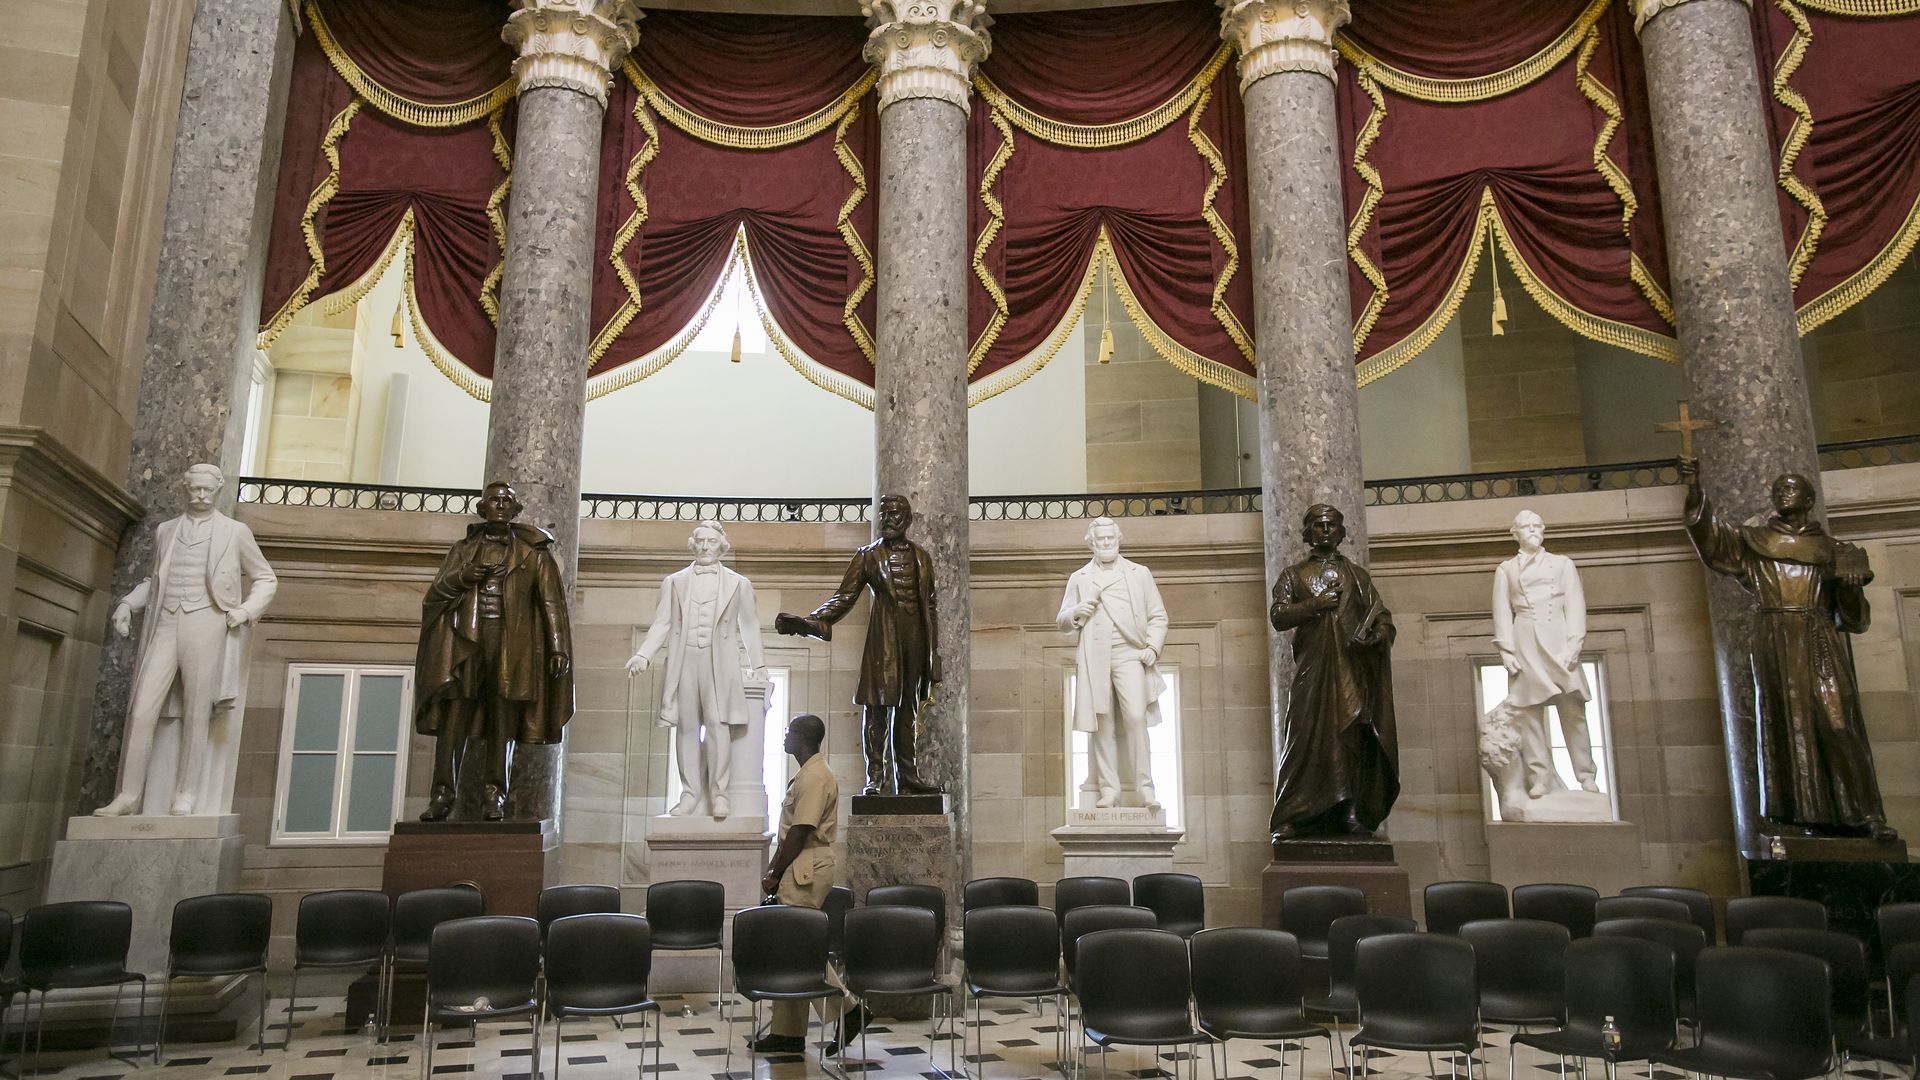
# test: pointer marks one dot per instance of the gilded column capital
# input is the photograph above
(575, 44)
(1282, 35)
(926, 48)
(1645, 10)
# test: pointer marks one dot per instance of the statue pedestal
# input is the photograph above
(904, 840)
(150, 863)
(1118, 841)
(733, 852)
(510, 861)
(1851, 876)
(1601, 854)
(1367, 865)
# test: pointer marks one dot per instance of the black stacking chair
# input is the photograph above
(1641, 907)
(1013, 951)
(77, 944)
(1763, 1013)
(480, 967)
(416, 913)
(1073, 892)
(1684, 940)
(1522, 970)
(218, 934)
(560, 901)
(998, 892)
(1342, 1001)
(1177, 900)
(1902, 965)
(839, 901)
(1082, 921)
(1697, 901)
(1135, 990)
(890, 953)
(1308, 911)
(1897, 924)
(931, 898)
(1627, 979)
(1453, 904)
(1846, 958)
(1246, 985)
(779, 954)
(691, 916)
(1417, 992)
(1572, 906)
(342, 928)
(1746, 913)
(599, 964)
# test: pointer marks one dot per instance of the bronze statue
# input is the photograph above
(901, 664)
(1816, 771)
(494, 666)
(1339, 760)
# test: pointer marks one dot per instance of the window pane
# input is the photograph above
(317, 712)
(370, 793)
(377, 727)
(310, 793)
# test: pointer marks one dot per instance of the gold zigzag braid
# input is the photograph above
(1101, 136)
(1828, 305)
(475, 386)
(336, 303)
(1606, 331)
(1864, 9)
(1216, 179)
(812, 370)
(630, 228)
(417, 113)
(850, 311)
(1206, 369)
(502, 153)
(1796, 140)
(1604, 100)
(1393, 357)
(1479, 87)
(749, 138)
(996, 217)
(1363, 214)
(622, 377)
(1014, 374)
(323, 193)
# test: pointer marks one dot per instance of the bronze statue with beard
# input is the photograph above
(495, 661)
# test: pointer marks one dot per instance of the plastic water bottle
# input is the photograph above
(1610, 1036)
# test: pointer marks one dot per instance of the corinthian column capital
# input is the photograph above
(1282, 35)
(575, 44)
(926, 48)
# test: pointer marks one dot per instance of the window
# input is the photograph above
(343, 747)
(1490, 686)
(1163, 748)
(773, 755)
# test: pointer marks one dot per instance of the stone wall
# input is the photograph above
(1143, 414)
(1864, 366)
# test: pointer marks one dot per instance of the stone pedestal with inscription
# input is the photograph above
(1366, 864)
(508, 861)
(150, 863)
(1119, 841)
(733, 852)
(1602, 854)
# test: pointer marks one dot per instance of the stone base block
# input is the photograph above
(1852, 889)
(510, 861)
(1384, 883)
(1122, 851)
(1601, 854)
(905, 849)
(1133, 817)
(149, 873)
(733, 852)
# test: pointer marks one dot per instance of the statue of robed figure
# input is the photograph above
(1339, 770)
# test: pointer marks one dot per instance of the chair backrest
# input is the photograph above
(1073, 892)
(1641, 907)
(8, 935)
(1236, 968)
(1766, 1005)
(1417, 988)
(417, 912)
(1902, 964)
(1345, 935)
(1000, 891)
(687, 914)
(1846, 958)
(1308, 911)
(1082, 921)
(1012, 949)
(839, 901)
(220, 934)
(928, 897)
(1897, 924)
(560, 901)
(1746, 913)
(1683, 940)
(1520, 959)
(779, 948)
(1177, 900)
(1453, 904)
(492, 956)
(1571, 906)
(1135, 983)
(598, 960)
(1697, 901)
(1629, 979)
(342, 926)
(890, 947)
(75, 943)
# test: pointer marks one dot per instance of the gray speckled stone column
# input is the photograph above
(1734, 306)
(540, 363)
(1303, 326)
(206, 306)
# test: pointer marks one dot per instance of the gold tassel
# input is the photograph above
(736, 345)
(1106, 320)
(1499, 300)
(399, 327)
(1106, 344)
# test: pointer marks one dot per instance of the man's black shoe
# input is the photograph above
(779, 1044)
(850, 1029)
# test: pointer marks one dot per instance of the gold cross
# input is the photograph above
(1686, 426)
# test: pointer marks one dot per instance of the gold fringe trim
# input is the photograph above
(996, 218)
(475, 386)
(1479, 87)
(502, 153)
(1028, 366)
(747, 138)
(1828, 305)
(1864, 9)
(1101, 136)
(1604, 100)
(1657, 296)
(1216, 179)
(810, 369)
(1208, 371)
(335, 303)
(317, 259)
(850, 311)
(1363, 214)
(1395, 356)
(1796, 141)
(626, 375)
(417, 113)
(630, 228)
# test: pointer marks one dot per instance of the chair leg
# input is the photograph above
(263, 1011)
(160, 1032)
(534, 1069)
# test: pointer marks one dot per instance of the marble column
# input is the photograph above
(206, 306)
(925, 52)
(568, 51)
(1733, 301)
(1303, 327)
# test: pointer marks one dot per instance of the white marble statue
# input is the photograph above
(191, 666)
(706, 616)
(1539, 626)
(1114, 607)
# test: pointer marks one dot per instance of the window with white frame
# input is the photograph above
(1163, 748)
(343, 753)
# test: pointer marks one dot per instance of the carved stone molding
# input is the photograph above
(1282, 35)
(1645, 10)
(926, 48)
(575, 44)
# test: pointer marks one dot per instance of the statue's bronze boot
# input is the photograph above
(439, 805)
(495, 802)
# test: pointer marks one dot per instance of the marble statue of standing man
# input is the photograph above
(706, 614)
(1539, 626)
(192, 652)
(1114, 607)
